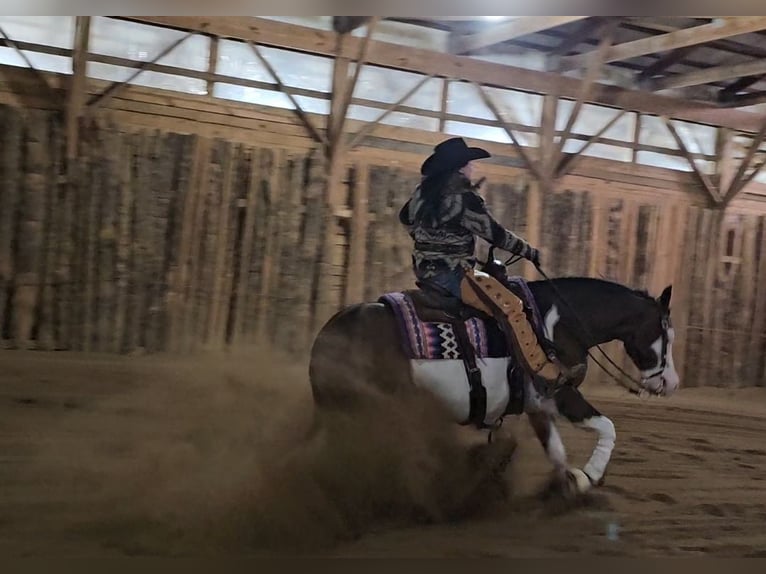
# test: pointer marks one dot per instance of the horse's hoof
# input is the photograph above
(579, 481)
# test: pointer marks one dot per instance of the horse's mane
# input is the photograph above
(611, 286)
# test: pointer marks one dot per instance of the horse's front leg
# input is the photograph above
(576, 409)
(545, 428)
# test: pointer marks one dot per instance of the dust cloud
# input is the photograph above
(221, 454)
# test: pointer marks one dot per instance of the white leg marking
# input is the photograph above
(551, 320)
(602, 452)
(556, 452)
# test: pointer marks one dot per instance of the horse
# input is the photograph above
(361, 348)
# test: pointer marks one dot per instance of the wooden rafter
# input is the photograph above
(737, 86)
(369, 127)
(76, 95)
(348, 93)
(396, 56)
(212, 64)
(347, 24)
(586, 29)
(664, 62)
(515, 28)
(339, 81)
(116, 87)
(702, 176)
(739, 180)
(724, 145)
(531, 164)
(750, 99)
(546, 157)
(444, 104)
(709, 75)
(10, 42)
(594, 67)
(745, 181)
(569, 160)
(649, 26)
(677, 39)
(298, 110)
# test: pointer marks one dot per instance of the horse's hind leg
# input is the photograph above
(577, 410)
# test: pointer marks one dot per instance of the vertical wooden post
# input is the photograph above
(246, 243)
(541, 181)
(758, 328)
(636, 138)
(628, 232)
(212, 63)
(724, 151)
(444, 102)
(358, 239)
(77, 83)
(534, 224)
(683, 240)
(278, 187)
(548, 135)
(598, 237)
(219, 307)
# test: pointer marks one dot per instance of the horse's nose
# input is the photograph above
(669, 385)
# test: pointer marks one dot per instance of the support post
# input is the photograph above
(77, 82)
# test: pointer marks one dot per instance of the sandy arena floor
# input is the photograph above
(127, 456)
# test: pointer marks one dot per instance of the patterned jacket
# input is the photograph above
(461, 215)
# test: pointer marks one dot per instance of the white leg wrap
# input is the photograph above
(599, 460)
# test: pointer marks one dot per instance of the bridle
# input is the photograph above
(663, 352)
(635, 386)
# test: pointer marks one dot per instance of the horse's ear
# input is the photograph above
(664, 299)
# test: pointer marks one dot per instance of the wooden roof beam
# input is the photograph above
(734, 88)
(78, 81)
(751, 99)
(709, 75)
(587, 28)
(740, 180)
(532, 164)
(594, 66)
(716, 30)
(663, 63)
(713, 192)
(6, 40)
(498, 33)
(117, 87)
(347, 24)
(298, 110)
(400, 57)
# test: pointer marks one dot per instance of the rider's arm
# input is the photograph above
(477, 219)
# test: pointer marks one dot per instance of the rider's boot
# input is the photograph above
(547, 371)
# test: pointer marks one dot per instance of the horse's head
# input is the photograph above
(650, 346)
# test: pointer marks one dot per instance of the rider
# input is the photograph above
(443, 216)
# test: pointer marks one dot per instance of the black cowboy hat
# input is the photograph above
(451, 154)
